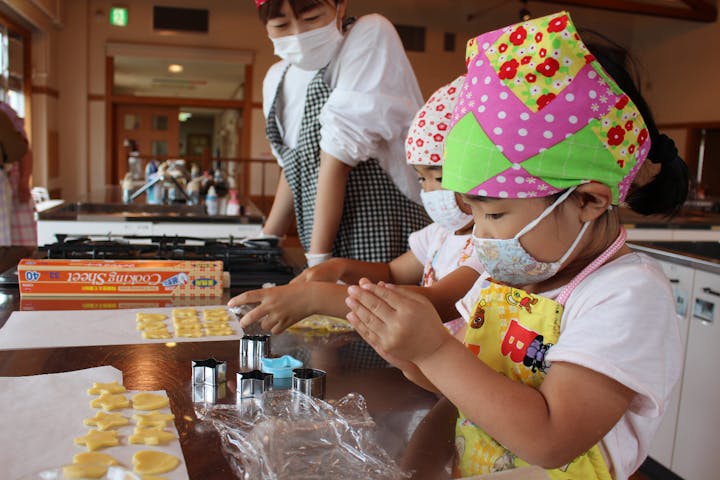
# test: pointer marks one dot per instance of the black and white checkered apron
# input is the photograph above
(377, 217)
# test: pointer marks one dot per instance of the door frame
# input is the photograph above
(159, 51)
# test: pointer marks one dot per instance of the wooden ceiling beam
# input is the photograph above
(698, 10)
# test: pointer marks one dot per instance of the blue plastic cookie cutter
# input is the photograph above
(281, 367)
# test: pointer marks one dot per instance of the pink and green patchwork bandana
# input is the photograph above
(537, 114)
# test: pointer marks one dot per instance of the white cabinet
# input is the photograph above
(698, 422)
(681, 279)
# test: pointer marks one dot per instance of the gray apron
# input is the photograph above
(377, 217)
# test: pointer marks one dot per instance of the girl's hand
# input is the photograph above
(329, 271)
(279, 307)
(399, 323)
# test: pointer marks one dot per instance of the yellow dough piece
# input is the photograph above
(152, 477)
(215, 313)
(189, 333)
(154, 334)
(105, 421)
(110, 401)
(323, 324)
(151, 436)
(97, 458)
(219, 332)
(149, 401)
(84, 470)
(95, 439)
(151, 325)
(100, 388)
(153, 419)
(142, 317)
(150, 462)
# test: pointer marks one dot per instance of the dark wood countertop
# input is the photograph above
(686, 219)
(394, 403)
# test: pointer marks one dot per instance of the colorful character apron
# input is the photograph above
(512, 331)
(377, 217)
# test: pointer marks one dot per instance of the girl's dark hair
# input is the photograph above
(667, 192)
(271, 9)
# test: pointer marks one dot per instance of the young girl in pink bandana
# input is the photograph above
(544, 146)
(440, 255)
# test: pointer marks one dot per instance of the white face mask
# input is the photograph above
(444, 210)
(310, 50)
(507, 261)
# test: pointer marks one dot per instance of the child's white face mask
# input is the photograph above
(444, 210)
(507, 261)
(310, 50)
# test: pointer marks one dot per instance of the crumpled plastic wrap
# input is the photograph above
(288, 435)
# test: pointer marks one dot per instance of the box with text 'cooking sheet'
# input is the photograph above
(127, 278)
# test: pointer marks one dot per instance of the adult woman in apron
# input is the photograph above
(337, 109)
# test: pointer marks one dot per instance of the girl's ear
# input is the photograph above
(594, 200)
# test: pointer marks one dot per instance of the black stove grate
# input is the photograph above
(249, 262)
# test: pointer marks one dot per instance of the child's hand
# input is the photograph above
(329, 271)
(279, 307)
(401, 325)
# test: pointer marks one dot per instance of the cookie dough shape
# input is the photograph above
(155, 334)
(97, 458)
(96, 439)
(105, 421)
(84, 470)
(149, 401)
(110, 401)
(151, 436)
(153, 419)
(150, 462)
(100, 388)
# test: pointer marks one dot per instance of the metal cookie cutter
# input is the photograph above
(208, 393)
(309, 381)
(253, 383)
(209, 372)
(253, 348)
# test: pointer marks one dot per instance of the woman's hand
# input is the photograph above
(329, 271)
(401, 325)
(279, 307)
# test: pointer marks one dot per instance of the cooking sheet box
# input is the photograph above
(125, 278)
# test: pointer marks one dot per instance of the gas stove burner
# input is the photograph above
(250, 262)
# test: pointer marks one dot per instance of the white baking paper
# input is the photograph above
(41, 415)
(81, 328)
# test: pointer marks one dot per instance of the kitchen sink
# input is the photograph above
(82, 209)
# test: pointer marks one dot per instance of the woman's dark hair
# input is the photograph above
(271, 9)
(668, 190)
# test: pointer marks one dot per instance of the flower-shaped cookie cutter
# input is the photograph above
(253, 348)
(209, 372)
(253, 383)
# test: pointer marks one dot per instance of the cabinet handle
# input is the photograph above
(710, 291)
(674, 280)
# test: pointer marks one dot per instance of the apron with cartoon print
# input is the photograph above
(512, 331)
(377, 217)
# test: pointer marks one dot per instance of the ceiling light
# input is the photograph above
(175, 68)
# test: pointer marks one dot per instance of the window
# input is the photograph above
(12, 68)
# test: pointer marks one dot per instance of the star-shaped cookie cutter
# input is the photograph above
(253, 383)
(209, 372)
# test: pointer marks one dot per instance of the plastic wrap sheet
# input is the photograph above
(288, 435)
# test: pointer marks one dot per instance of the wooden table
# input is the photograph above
(395, 404)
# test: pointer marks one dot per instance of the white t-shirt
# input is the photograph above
(620, 321)
(374, 97)
(441, 252)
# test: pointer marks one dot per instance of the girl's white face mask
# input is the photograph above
(310, 50)
(507, 261)
(442, 208)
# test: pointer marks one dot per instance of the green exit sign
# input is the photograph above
(119, 16)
